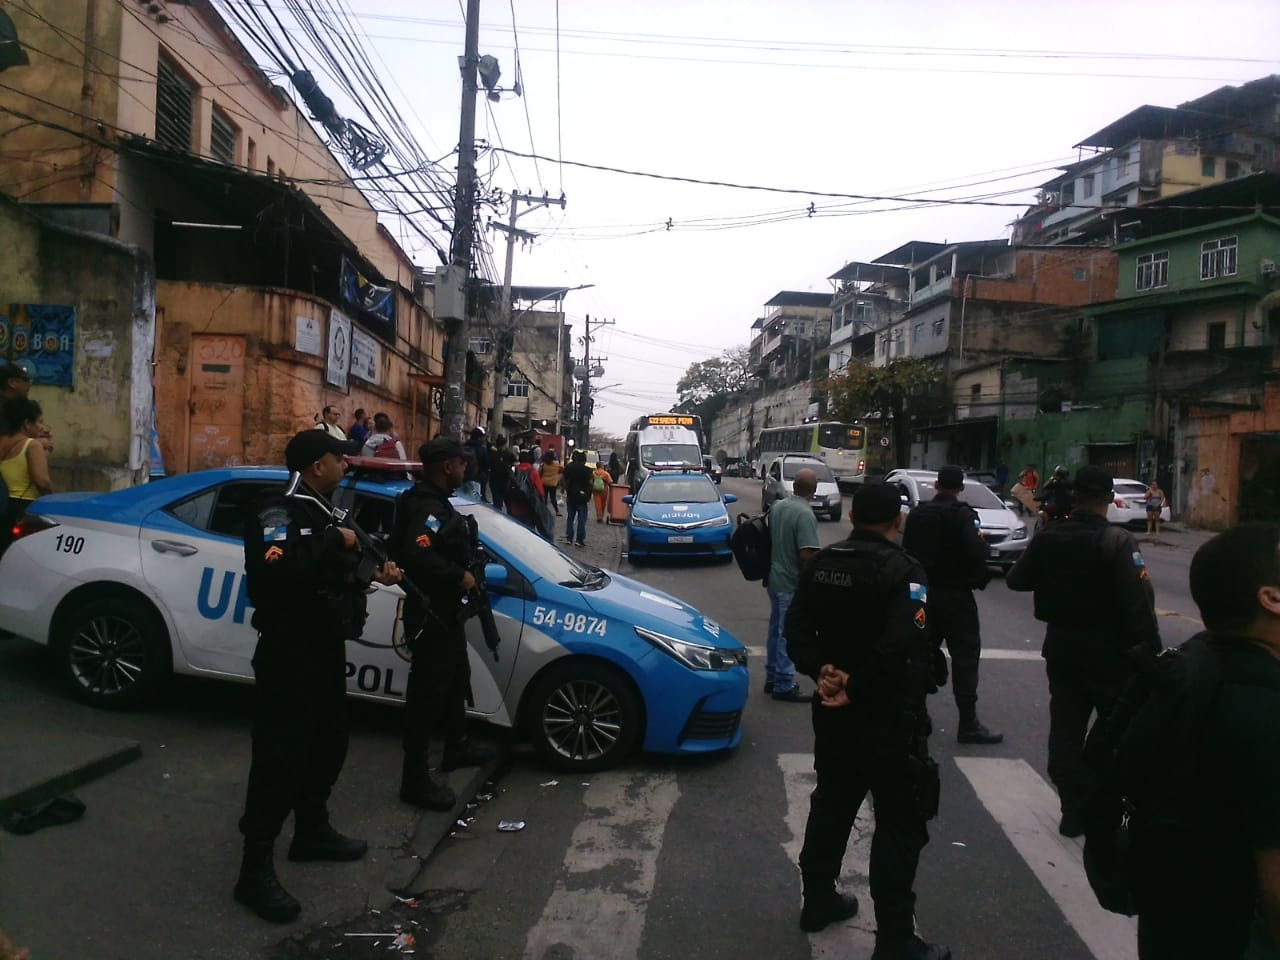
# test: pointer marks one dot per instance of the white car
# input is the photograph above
(1128, 506)
(1004, 532)
(780, 484)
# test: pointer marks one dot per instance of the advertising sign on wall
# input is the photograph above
(366, 356)
(339, 362)
(42, 338)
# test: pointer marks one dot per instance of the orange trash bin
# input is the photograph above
(616, 510)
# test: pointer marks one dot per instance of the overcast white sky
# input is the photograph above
(840, 96)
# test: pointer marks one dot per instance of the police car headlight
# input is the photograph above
(720, 521)
(694, 655)
(1019, 532)
(641, 521)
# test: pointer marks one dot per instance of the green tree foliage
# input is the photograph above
(893, 394)
(717, 377)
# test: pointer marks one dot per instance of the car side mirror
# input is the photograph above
(730, 498)
(628, 499)
(495, 574)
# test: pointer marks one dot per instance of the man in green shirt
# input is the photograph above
(793, 536)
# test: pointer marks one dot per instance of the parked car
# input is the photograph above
(780, 483)
(735, 467)
(126, 588)
(987, 479)
(1005, 534)
(713, 469)
(678, 513)
(1129, 506)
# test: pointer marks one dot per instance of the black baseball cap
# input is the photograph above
(951, 478)
(14, 371)
(308, 446)
(1093, 481)
(876, 503)
(441, 448)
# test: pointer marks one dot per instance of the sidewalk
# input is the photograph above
(1176, 535)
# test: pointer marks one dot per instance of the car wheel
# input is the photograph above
(835, 515)
(114, 652)
(583, 717)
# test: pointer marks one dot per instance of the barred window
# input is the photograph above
(517, 388)
(222, 138)
(1152, 271)
(175, 105)
(1218, 258)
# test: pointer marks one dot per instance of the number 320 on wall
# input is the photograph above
(569, 622)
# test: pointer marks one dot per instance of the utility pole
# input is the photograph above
(584, 401)
(464, 212)
(506, 336)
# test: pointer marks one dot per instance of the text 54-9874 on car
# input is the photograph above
(129, 587)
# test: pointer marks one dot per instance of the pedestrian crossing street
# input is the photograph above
(598, 907)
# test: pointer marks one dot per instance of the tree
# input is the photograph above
(717, 377)
(894, 394)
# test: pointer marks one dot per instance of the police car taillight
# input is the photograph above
(31, 523)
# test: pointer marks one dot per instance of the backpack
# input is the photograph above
(1143, 820)
(752, 546)
(598, 484)
(387, 448)
(525, 494)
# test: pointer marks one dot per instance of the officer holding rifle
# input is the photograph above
(433, 545)
(307, 577)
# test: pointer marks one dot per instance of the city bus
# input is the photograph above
(690, 421)
(662, 441)
(842, 446)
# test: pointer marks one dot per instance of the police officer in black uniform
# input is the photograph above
(1093, 592)
(943, 534)
(869, 719)
(307, 580)
(432, 546)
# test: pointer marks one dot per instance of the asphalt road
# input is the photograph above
(660, 859)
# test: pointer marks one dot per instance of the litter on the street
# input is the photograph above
(550, 783)
(510, 826)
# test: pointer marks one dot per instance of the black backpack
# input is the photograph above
(752, 546)
(1143, 817)
(523, 492)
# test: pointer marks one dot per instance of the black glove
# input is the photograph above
(940, 671)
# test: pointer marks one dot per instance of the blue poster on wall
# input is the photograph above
(42, 338)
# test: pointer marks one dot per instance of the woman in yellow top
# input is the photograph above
(600, 480)
(23, 462)
(551, 478)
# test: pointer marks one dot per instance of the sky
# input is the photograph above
(866, 97)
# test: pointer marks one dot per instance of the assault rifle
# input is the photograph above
(477, 603)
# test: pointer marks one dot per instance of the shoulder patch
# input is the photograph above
(275, 516)
(423, 540)
(432, 523)
(275, 534)
(1138, 560)
(921, 619)
(919, 592)
(273, 554)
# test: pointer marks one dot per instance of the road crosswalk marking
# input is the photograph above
(1026, 808)
(598, 907)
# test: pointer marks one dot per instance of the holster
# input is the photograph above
(926, 783)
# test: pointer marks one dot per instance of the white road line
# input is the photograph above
(857, 937)
(1026, 808)
(598, 908)
(991, 653)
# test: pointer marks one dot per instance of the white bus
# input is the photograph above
(660, 447)
(842, 446)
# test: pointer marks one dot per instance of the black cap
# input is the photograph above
(1093, 481)
(440, 449)
(876, 503)
(951, 478)
(310, 445)
(14, 371)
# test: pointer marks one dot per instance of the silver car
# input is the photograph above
(778, 484)
(1006, 535)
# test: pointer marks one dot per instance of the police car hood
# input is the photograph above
(679, 513)
(645, 606)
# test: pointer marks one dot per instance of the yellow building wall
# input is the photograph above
(1180, 170)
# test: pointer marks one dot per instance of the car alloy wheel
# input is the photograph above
(583, 717)
(113, 652)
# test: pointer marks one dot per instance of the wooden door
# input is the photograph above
(216, 402)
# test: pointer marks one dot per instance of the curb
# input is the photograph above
(78, 759)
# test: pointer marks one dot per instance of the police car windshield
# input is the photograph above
(518, 543)
(691, 489)
(974, 494)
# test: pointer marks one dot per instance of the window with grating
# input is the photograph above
(222, 138)
(175, 97)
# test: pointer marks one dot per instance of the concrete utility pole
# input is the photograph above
(585, 401)
(464, 228)
(502, 349)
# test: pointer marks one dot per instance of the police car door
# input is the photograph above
(193, 557)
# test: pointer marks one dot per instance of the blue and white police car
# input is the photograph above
(129, 587)
(678, 513)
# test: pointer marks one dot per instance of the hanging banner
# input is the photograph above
(41, 338)
(339, 362)
(366, 356)
(307, 337)
(372, 301)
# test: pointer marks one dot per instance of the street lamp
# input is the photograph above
(501, 354)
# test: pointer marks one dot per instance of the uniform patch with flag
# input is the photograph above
(1140, 562)
(919, 592)
(274, 534)
(432, 523)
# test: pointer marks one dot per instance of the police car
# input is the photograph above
(1004, 534)
(129, 587)
(678, 513)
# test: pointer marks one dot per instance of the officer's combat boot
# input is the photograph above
(824, 904)
(909, 948)
(464, 753)
(971, 728)
(259, 890)
(421, 789)
(315, 839)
